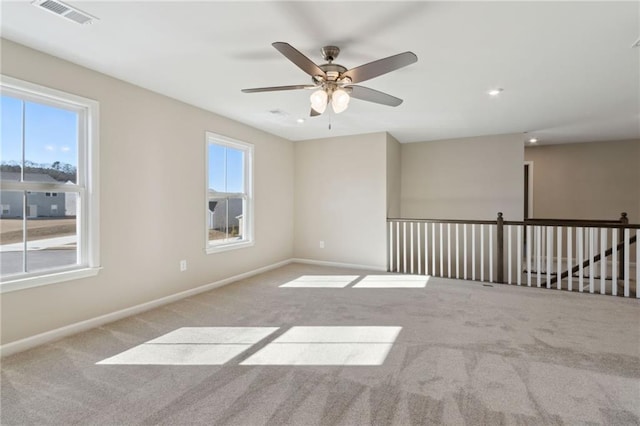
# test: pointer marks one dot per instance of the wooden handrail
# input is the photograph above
(469, 222)
(580, 224)
(571, 220)
(499, 262)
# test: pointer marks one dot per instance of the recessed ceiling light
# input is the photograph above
(495, 92)
(300, 120)
(533, 140)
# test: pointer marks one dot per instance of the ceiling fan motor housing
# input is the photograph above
(335, 81)
(333, 71)
(330, 53)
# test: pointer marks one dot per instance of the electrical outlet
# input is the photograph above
(183, 265)
(321, 244)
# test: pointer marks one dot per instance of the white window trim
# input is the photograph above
(88, 176)
(248, 148)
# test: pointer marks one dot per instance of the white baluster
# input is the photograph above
(603, 260)
(529, 244)
(569, 258)
(627, 235)
(559, 267)
(457, 253)
(539, 246)
(397, 246)
(473, 251)
(390, 246)
(448, 250)
(592, 253)
(464, 255)
(519, 254)
(614, 262)
(433, 250)
(549, 254)
(426, 249)
(419, 250)
(411, 230)
(509, 254)
(490, 253)
(441, 252)
(481, 252)
(579, 243)
(404, 246)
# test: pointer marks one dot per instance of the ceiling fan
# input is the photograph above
(334, 83)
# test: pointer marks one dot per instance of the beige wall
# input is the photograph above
(152, 183)
(468, 178)
(393, 177)
(340, 198)
(586, 181)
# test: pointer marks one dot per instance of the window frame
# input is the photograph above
(248, 211)
(87, 184)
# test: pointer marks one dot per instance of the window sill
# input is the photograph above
(21, 283)
(227, 247)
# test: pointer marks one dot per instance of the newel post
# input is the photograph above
(500, 247)
(624, 220)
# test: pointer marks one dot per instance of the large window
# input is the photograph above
(48, 185)
(229, 203)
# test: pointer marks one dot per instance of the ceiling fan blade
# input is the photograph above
(381, 66)
(278, 88)
(314, 113)
(304, 63)
(370, 95)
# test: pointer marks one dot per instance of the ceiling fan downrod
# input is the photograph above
(330, 53)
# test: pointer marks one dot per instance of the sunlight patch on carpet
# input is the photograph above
(393, 281)
(193, 346)
(321, 281)
(330, 346)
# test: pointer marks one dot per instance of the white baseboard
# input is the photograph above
(58, 333)
(338, 264)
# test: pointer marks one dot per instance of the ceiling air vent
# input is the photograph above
(65, 11)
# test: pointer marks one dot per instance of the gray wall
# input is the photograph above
(586, 181)
(468, 178)
(152, 190)
(341, 199)
(394, 186)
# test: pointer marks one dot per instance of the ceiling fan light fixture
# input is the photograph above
(340, 100)
(319, 100)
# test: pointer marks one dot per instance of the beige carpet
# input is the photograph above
(337, 346)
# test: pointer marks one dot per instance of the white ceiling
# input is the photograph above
(568, 70)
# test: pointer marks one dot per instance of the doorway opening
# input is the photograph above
(528, 190)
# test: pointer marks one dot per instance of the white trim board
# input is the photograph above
(68, 330)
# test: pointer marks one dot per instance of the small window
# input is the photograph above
(229, 203)
(49, 148)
